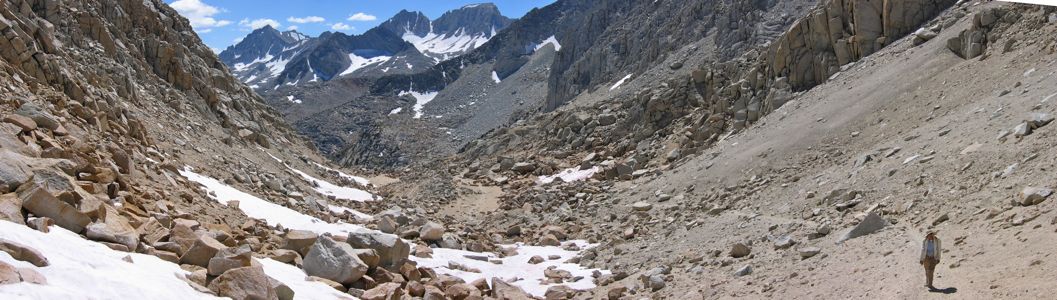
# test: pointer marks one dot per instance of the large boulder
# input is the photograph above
(431, 231)
(246, 283)
(203, 249)
(37, 200)
(870, 224)
(38, 115)
(114, 228)
(385, 291)
(334, 261)
(391, 250)
(13, 170)
(230, 258)
(11, 209)
(503, 290)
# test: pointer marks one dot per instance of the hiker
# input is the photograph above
(930, 257)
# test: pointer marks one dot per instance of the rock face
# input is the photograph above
(972, 42)
(334, 261)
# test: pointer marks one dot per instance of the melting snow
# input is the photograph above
(617, 85)
(330, 189)
(291, 99)
(570, 175)
(551, 40)
(514, 269)
(396, 110)
(82, 269)
(420, 100)
(495, 77)
(357, 179)
(271, 213)
(360, 62)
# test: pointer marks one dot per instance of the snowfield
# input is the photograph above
(420, 100)
(514, 269)
(271, 213)
(82, 269)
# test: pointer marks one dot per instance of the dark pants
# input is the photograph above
(930, 269)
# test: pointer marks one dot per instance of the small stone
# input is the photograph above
(642, 206)
(808, 252)
(740, 250)
(746, 270)
(1034, 195)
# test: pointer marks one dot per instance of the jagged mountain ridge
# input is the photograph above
(406, 43)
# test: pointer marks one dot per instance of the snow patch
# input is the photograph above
(457, 42)
(81, 269)
(330, 189)
(570, 175)
(514, 269)
(357, 179)
(495, 77)
(420, 100)
(360, 63)
(617, 85)
(396, 111)
(293, 100)
(271, 213)
(551, 40)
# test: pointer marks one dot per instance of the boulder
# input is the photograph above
(230, 258)
(41, 117)
(203, 249)
(460, 291)
(870, 224)
(506, 291)
(283, 291)
(287, 256)
(391, 250)
(112, 227)
(559, 292)
(24, 123)
(739, 250)
(334, 261)
(299, 240)
(246, 283)
(37, 200)
(385, 291)
(387, 225)
(23, 253)
(431, 231)
(523, 167)
(11, 208)
(1034, 195)
(14, 170)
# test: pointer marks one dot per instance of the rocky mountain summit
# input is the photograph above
(409, 42)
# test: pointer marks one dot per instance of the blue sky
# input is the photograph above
(220, 23)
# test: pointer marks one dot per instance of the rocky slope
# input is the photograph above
(746, 178)
(134, 165)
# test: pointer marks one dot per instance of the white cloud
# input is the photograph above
(340, 26)
(200, 14)
(308, 19)
(362, 17)
(258, 23)
(237, 40)
(204, 31)
(291, 27)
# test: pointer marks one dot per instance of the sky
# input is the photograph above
(221, 23)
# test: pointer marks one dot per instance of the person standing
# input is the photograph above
(930, 257)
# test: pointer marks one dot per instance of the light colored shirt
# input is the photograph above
(931, 248)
